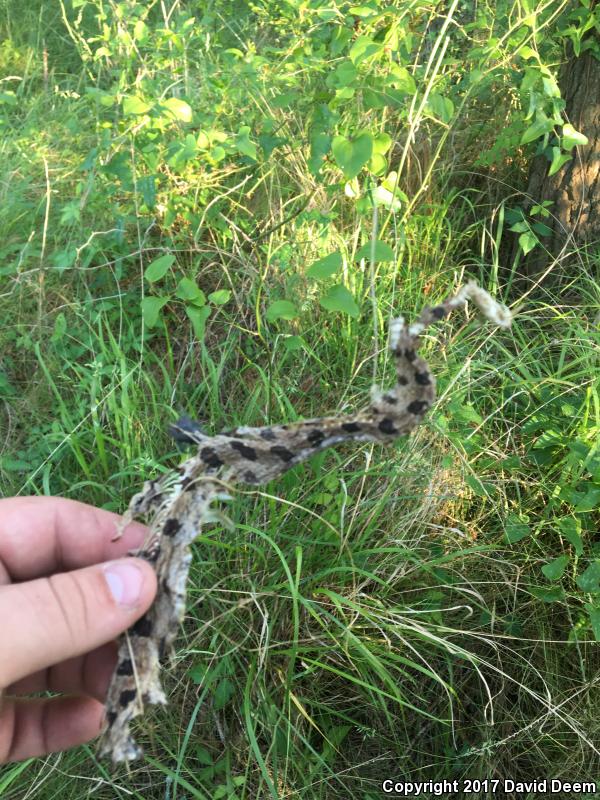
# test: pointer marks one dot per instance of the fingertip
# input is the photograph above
(49, 620)
(131, 582)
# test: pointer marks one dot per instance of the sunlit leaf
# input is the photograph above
(220, 297)
(338, 298)
(378, 164)
(151, 307)
(383, 197)
(540, 127)
(159, 268)
(528, 241)
(179, 109)
(401, 80)
(188, 290)
(572, 138)
(244, 144)
(441, 107)
(381, 252)
(382, 143)
(325, 267)
(281, 309)
(198, 317)
(352, 154)
(362, 49)
(135, 105)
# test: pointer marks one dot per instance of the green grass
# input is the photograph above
(375, 612)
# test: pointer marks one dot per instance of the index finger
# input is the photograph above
(43, 535)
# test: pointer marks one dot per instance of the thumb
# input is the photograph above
(46, 621)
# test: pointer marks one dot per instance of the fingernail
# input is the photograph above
(124, 579)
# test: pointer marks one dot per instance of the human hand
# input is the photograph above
(61, 607)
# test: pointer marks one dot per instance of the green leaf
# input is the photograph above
(589, 580)
(570, 528)
(551, 88)
(476, 485)
(548, 595)
(401, 79)
(363, 48)
(390, 200)
(540, 127)
(441, 107)
(281, 309)
(135, 105)
(344, 75)
(541, 229)
(590, 500)
(60, 327)
(14, 464)
(243, 143)
(151, 307)
(325, 267)
(338, 298)
(320, 143)
(203, 755)
(383, 252)
(340, 39)
(71, 212)
(220, 297)
(528, 241)
(269, 143)
(285, 99)
(392, 185)
(292, 343)
(10, 98)
(553, 570)
(519, 227)
(572, 138)
(558, 160)
(147, 186)
(198, 317)
(217, 153)
(594, 613)
(203, 141)
(352, 188)
(382, 143)
(378, 164)
(6, 388)
(515, 529)
(223, 694)
(375, 98)
(362, 11)
(352, 154)
(159, 268)
(188, 290)
(527, 52)
(179, 109)
(63, 259)
(199, 673)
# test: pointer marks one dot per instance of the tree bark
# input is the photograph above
(573, 190)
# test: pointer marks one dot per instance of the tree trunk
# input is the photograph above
(573, 190)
